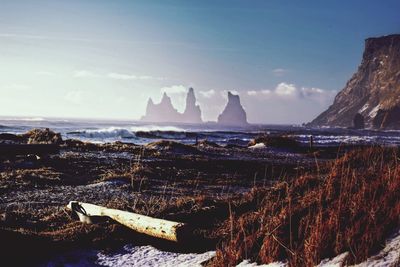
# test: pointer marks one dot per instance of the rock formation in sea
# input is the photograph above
(233, 114)
(192, 113)
(372, 96)
(166, 112)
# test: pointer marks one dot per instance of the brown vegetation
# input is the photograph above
(352, 205)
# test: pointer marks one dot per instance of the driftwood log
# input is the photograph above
(159, 228)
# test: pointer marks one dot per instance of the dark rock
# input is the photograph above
(165, 111)
(11, 138)
(42, 136)
(164, 145)
(162, 112)
(233, 114)
(192, 112)
(373, 91)
(358, 121)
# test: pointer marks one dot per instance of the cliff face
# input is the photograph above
(165, 111)
(373, 92)
(233, 114)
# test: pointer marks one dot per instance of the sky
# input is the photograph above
(104, 59)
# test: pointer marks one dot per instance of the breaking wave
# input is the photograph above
(106, 133)
(151, 131)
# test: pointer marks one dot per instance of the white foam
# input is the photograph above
(121, 132)
(110, 132)
(149, 128)
(23, 119)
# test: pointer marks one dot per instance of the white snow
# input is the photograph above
(374, 111)
(389, 256)
(130, 256)
(150, 256)
(246, 263)
(335, 262)
(364, 108)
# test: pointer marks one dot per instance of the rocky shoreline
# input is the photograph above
(199, 184)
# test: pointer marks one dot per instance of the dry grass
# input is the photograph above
(351, 206)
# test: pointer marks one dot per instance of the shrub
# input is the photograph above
(352, 206)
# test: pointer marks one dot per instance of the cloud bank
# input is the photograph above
(286, 103)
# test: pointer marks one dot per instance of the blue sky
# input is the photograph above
(103, 59)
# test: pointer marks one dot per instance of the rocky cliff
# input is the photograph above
(165, 111)
(371, 98)
(233, 114)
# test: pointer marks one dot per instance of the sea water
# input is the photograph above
(102, 131)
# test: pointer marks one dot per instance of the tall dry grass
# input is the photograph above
(352, 205)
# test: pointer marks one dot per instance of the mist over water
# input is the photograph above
(98, 131)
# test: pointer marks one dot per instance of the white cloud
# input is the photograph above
(286, 103)
(224, 93)
(45, 73)
(122, 76)
(17, 87)
(207, 94)
(286, 89)
(75, 97)
(266, 92)
(290, 90)
(174, 89)
(84, 73)
(279, 72)
(179, 95)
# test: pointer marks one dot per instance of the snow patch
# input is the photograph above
(246, 263)
(374, 111)
(388, 256)
(257, 146)
(364, 108)
(335, 262)
(150, 256)
(130, 256)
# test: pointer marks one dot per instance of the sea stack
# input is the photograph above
(371, 98)
(192, 113)
(162, 112)
(166, 112)
(233, 114)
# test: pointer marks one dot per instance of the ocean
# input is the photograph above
(103, 131)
